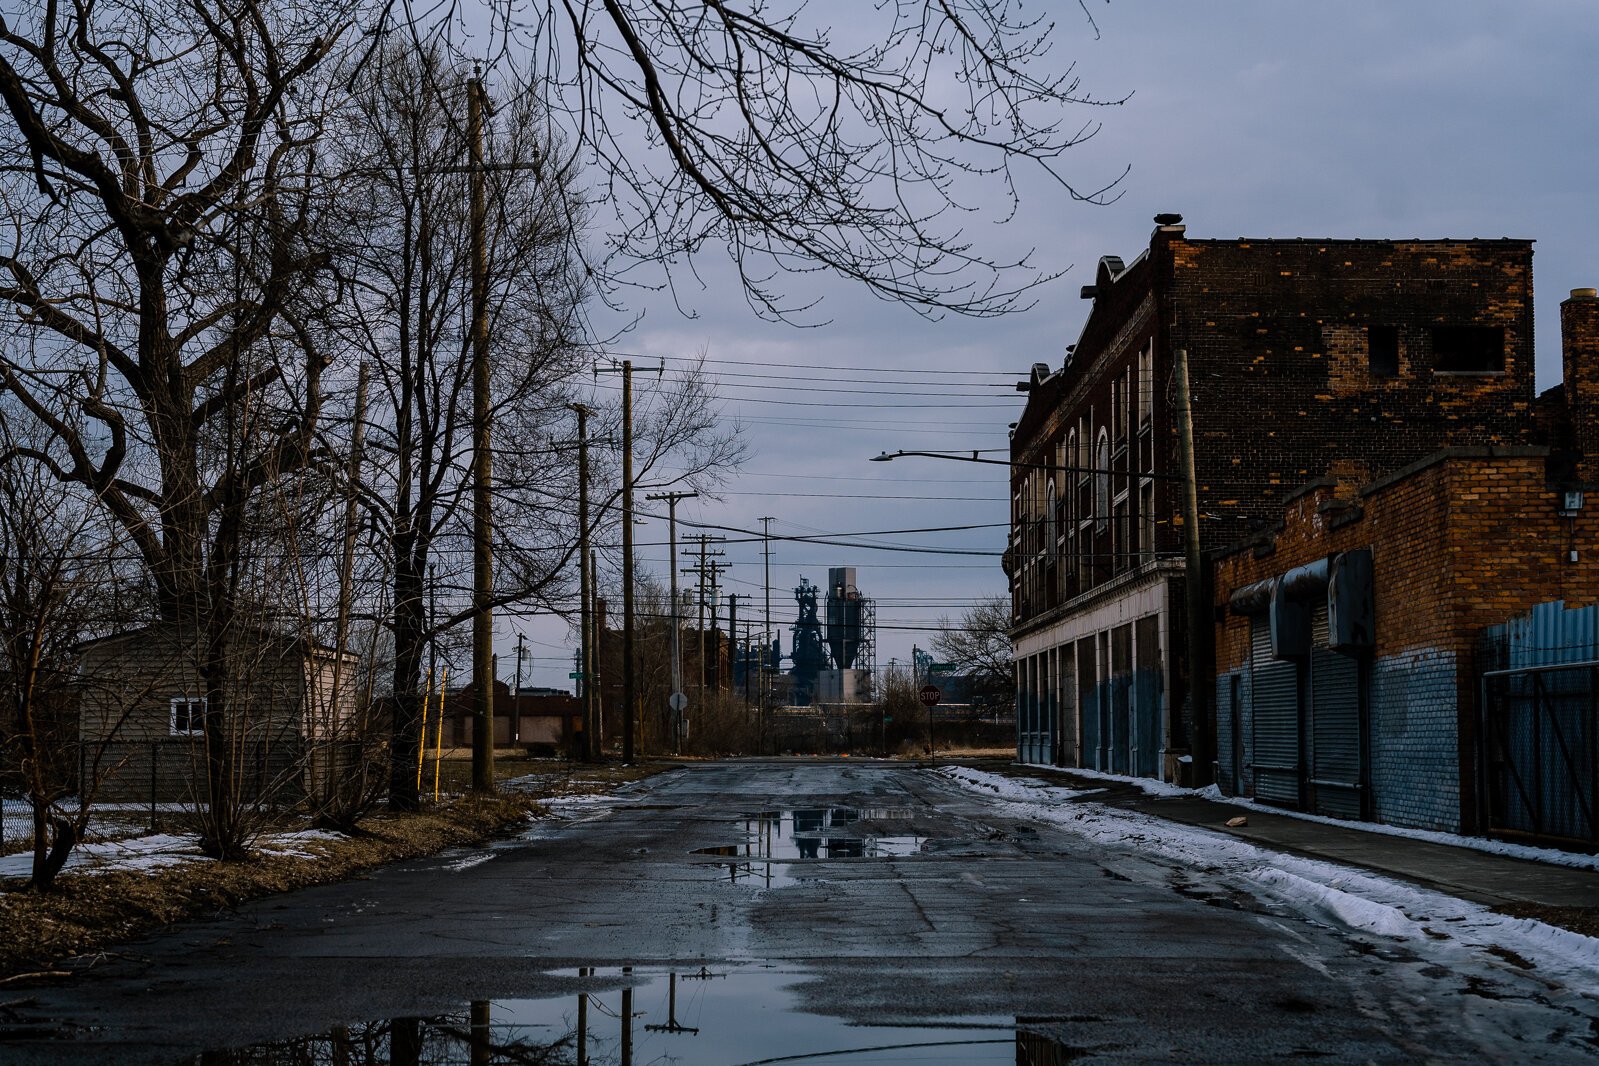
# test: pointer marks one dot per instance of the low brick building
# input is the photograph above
(543, 719)
(1355, 356)
(1348, 636)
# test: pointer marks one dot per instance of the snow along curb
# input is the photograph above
(1151, 787)
(1367, 902)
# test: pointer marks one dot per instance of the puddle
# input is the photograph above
(758, 872)
(825, 833)
(716, 1016)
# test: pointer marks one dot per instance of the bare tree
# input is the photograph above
(405, 213)
(866, 149)
(43, 608)
(406, 200)
(159, 181)
(979, 646)
(62, 578)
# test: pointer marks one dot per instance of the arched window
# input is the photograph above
(1102, 482)
(1051, 531)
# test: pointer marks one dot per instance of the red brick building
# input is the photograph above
(1357, 357)
(541, 719)
(1348, 641)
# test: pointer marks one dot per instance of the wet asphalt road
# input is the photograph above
(1109, 954)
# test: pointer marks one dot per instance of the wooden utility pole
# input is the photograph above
(585, 665)
(732, 643)
(482, 506)
(1195, 594)
(673, 715)
(596, 700)
(766, 646)
(629, 679)
(716, 569)
(629, 682)
(516, 696)
(707, 567)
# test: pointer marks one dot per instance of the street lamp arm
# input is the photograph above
(974, 458)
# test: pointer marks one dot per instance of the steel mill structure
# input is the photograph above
(836, 666)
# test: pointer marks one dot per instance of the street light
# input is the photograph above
(885, 457)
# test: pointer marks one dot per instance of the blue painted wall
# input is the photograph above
(1415, 740)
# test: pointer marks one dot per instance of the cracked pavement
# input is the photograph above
(1105, 951)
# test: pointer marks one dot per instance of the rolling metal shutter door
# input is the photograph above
(1274, 688)
(1335, 725)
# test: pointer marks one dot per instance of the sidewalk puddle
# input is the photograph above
(825, 833)
(715, 1016)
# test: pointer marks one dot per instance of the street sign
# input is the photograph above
(677, 702)
(941, 666)
(575, 675)
(929, 695)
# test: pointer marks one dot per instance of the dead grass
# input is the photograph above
(89, 913)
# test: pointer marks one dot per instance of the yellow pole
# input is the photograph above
(438, 734)
(422, 748)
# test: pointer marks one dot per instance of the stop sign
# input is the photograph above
(929, 695)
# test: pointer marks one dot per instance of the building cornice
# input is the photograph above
(1120, 585)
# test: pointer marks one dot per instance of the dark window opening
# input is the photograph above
(1468, 349)
(188, 715)
(1382, 350)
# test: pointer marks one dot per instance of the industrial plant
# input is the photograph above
(834, 662)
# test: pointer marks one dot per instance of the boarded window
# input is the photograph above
(1382, 348)
(1468, 349)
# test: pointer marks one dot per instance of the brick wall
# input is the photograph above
(1465, 540)
(1278, 334)
(1579, 330)
(1278, 339)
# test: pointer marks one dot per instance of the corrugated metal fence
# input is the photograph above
(1540, 724)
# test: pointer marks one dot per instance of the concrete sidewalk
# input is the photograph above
(1494, 880)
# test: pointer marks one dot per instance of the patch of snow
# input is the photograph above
(1552, 856)
(292, 845)
(1435, 923)
(152, 852)
(1353, 910)
(1009, 787)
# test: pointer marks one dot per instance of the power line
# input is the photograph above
(839, 403)
(812, 366)
(864, 496)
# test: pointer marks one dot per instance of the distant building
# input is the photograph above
(1307, 357)
(539, 718)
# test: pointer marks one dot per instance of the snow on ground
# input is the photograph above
(107, 821)
(1335, 894)
(157, 851)
(1151, 787)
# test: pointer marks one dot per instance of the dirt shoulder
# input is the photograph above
(89, 913)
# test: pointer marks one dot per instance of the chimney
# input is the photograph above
(1579, 350)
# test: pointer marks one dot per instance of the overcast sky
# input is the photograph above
(1263, 118)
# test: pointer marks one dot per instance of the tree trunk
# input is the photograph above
(410, 644)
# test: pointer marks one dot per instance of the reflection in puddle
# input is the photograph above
(710, 1017)
(825, 833)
